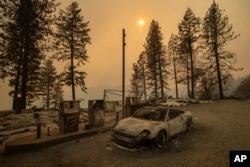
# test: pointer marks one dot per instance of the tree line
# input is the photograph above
(32, 37)
(243, 89)
(196, 57)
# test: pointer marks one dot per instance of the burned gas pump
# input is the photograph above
(69, 116)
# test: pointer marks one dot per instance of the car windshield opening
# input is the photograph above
(149, 114)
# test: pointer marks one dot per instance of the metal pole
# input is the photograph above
(123, 71)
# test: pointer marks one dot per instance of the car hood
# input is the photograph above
(134, 126)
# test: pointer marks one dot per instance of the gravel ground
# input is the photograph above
(218, 128)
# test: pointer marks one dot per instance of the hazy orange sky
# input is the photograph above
(107, 19)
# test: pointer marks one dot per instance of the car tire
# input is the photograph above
(161, 139)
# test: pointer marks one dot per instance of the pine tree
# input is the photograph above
(25, 24)
(139, 77)
(217, 32)
(136, 82)
(206, 80)
(142, 62)
(58, 96)
(72, 38)
(189, 30)
(47, 86)
(173, 52)
(156, 61)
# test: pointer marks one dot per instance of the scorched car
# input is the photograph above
(156, 124)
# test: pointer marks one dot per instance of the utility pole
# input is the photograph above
(123, 72)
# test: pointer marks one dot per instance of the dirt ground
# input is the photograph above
(218, 128)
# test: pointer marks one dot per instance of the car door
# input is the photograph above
(175, 122)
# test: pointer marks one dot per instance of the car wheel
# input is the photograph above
(161, 139)
(189, 125)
